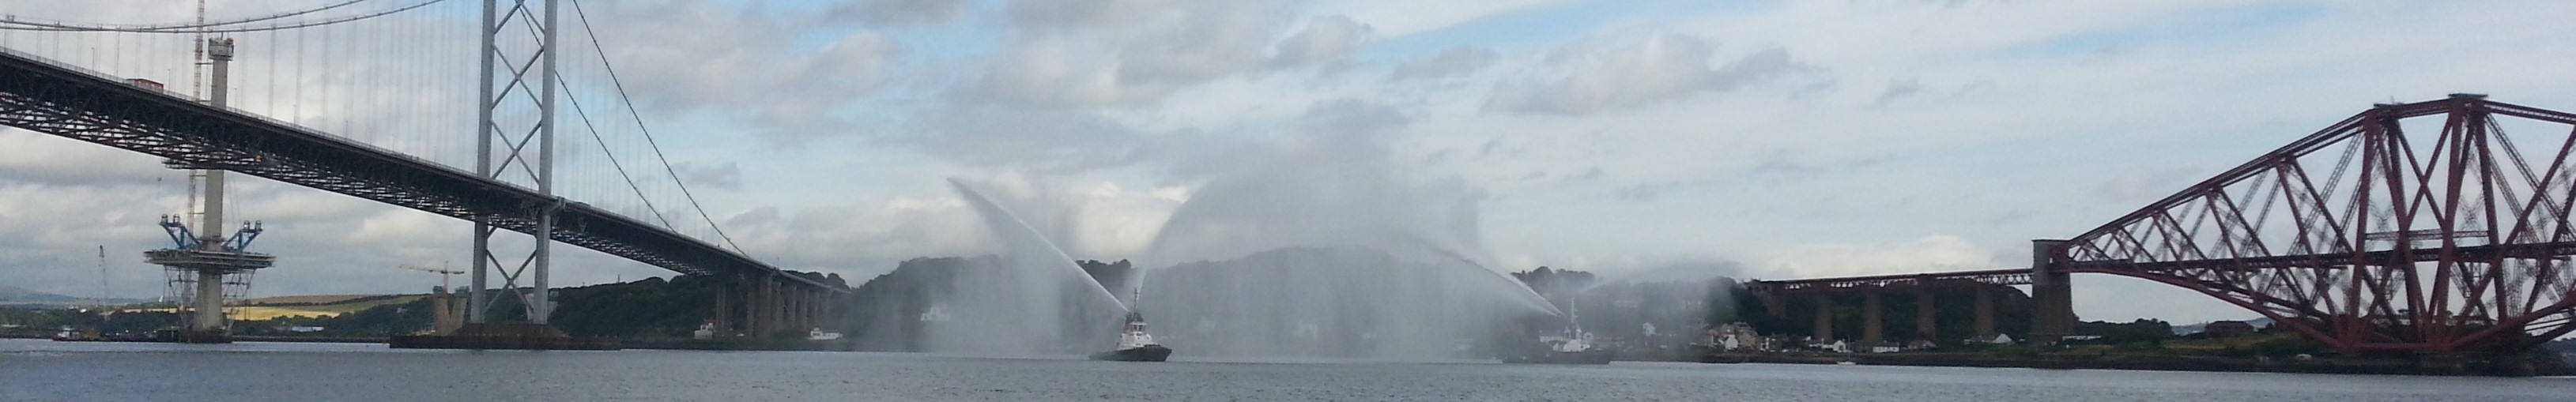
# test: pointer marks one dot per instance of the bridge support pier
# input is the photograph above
(788, 299)
(823, 311)
(1824, 318)
(762, 295)
(1985, 321)
(1924, 327)
(723, 314)
(797, 303)
(2050, 292)
(1771, 302)
(1872, 329)
(805, 310)
(754, 292)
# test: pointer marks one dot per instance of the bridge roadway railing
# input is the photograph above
(63, 100)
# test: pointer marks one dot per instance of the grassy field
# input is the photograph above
(304, 300)
(314, 306)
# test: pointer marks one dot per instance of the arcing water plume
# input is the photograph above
(1661, 305)
(1318, 250)
(1325, 251)
(1347, 302)
(1029, 299)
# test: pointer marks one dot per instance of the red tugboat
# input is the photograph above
(1134, 345)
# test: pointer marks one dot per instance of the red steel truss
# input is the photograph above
(2430, 227)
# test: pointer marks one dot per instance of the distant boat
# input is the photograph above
(68, 334)
(1134, 345)
(706, 330)
(818, 334)
(1573, 350)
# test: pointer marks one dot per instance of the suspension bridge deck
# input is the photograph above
(63, 100)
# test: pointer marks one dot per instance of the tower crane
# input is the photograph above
(442, 271)
(444, 315)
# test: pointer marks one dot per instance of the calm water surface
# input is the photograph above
(88, 371)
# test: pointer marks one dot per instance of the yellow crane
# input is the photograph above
(444, 314)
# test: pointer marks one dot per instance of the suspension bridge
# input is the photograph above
(455, 108)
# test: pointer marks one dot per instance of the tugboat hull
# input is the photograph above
(1597, 356)
(1147, 353)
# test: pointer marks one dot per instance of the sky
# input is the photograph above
(1759, 139)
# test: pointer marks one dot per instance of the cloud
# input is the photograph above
(1594, 77)
(1794, 164)
(1898, 89)
(1057, 73)
(1333, 182)
(2141, 187)
(1933, 253)
(1454, 62)
(1325, 38)
(1650, 191)
(1395, 18)
(44, 158)
(1135, 53)
(744, 63)
(1047, 140)
(895, 13)
(724, 176)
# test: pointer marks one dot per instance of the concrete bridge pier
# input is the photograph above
(760, 301)
(723, 315)
(769, 300)
(2050, 292)
(1985, 320)
(1771, 302)
(1824, 327)
(786, 308)
(1871, 329)
(1924, 327)
(742, 291)
(797, 303)
(738, 306)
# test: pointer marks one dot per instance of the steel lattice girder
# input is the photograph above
(64, 101)
(2474, 247)
(1874, 283)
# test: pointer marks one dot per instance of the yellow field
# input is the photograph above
(326, 310)
(305, 299)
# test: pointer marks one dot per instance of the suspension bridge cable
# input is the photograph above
(612, 155)
(622, 96)
(37, 26)
(200, 23)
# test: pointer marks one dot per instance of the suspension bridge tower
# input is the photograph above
(199, 261)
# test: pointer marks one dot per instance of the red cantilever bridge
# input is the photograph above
(2431, 227)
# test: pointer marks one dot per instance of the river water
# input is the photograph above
(91, 371)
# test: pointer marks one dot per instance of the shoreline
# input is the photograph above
(2382, 366)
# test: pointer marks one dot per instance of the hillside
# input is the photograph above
(11, 295)
(2257, 322)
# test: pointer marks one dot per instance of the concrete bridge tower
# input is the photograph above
(201, 259)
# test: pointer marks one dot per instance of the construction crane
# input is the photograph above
(443, 313)
(442, 271)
